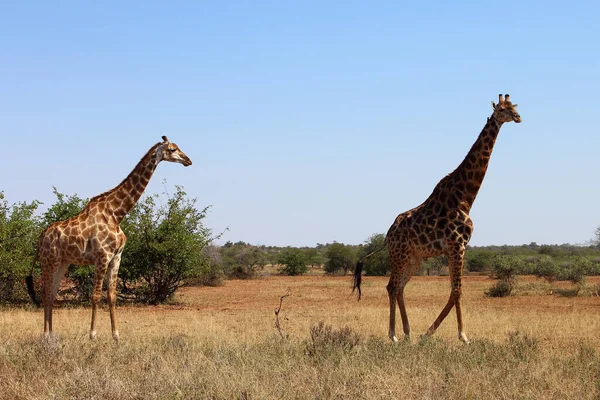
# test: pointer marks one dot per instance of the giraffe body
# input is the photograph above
(94, 236)
(440, 225)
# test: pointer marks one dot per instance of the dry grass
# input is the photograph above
(221, 343)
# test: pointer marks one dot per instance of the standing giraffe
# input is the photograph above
(441, 225)
(94, 236)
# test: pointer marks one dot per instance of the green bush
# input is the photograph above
(500, 289)
(293, 262)
(241, 260)
(339, 258)
(379, 263)
(164, 247)
(505, 269)
(546, 267)
(576, 270)
(19, 233)
(477, 260)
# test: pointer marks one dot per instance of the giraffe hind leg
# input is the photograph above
(113, 269)
(51, 286)
(403, 314)
(99, 273)
(392, 293)
(455, 267)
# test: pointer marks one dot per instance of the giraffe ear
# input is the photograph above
(515, 105)
(165, 139)
(493, 105)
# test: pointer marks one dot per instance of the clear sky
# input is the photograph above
(309, 121)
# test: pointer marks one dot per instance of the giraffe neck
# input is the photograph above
(120, 200)
(468, 176)
(459, 189)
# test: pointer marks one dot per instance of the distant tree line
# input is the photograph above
(169, 246)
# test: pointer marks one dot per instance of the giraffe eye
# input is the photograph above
(171, 150)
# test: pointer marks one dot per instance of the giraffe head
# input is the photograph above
(505, 111)
(168, 151)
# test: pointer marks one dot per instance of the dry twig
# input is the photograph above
(277, 310)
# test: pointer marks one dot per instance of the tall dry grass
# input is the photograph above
(222, 343)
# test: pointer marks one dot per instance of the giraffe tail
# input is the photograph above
(31, 290)
(358, 277)
(359, 268)
(29, 279)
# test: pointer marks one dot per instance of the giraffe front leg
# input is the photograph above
(441, 317)
(456, 268)
(113, 269)
(99, 272)
(403, 314)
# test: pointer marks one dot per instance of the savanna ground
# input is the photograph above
(221, 342)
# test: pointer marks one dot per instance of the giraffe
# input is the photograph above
(94, 236)
(440, 225)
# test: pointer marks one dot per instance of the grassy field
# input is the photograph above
(222, 343)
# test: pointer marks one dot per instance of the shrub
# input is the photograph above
(19, 232)
(505, 268)
(379, 263)
(324, 340)
(433, 265)
(241, 260)
(293, 262)
(479, 260)
(499, 289)
(576, 271)
(545, 267)
(164, 247)
(83, 280)
(340, 258)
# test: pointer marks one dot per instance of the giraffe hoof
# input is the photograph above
(425, 336)
(394, 339)
(463, 338)
(93, 335)
(116, 337)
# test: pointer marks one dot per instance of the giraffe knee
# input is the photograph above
(111, 298)
(96, 297)
(457, 292)
(391, 289)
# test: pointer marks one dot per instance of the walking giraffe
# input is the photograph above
(94, 236)
(441, 225)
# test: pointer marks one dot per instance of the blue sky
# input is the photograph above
(310, 121)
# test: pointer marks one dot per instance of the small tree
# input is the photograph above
(65, 207)
(242, 260)
(576, 271)
(478, 260)
(19, 232)
(339, 258)
(598, 237)
(293, 262)
(505, 268)
(314, 257)
(545, 267)
(215, 275)
(434, 265)
(379, 263)
(164, 247)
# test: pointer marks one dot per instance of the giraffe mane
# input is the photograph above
(95, 198)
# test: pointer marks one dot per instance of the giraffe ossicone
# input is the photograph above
(94, 236)
(440, 225)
